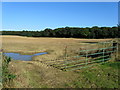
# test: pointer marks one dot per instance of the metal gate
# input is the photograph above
(87, 59)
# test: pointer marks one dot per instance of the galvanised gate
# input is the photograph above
(85, 58)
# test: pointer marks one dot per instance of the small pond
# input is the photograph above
(18, 56)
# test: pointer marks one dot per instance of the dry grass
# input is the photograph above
(0, 70)
(54, 46)
(33, 74)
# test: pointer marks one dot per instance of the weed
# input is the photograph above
(6, 75)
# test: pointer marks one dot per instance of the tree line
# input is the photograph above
(71, 32)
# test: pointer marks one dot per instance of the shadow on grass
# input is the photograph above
(115, 65)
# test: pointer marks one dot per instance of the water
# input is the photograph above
(18, 56)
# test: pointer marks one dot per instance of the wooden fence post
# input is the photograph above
(65, 56)
(86, 57)
(117, 49)
(65, 51)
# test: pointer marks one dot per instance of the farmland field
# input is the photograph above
(34, 74)
(54, 46)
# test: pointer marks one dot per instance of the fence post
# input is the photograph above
(65, 52)
(65, 55)
(103, 50)
(117, 49)
(112, 48)
(103, 54)
(86, 57)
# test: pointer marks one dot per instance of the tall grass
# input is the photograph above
(7, 77)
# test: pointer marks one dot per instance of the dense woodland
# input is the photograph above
(71, 32)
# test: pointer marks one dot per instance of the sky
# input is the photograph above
(60, 0)
(41, 15)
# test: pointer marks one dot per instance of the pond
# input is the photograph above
(18, 56)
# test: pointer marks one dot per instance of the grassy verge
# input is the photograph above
(6, 75)
(32, 74)
(101, 76)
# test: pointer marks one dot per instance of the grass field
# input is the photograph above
(54, 46)
(34, 74)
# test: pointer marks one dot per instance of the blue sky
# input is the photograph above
(41, 15)
(60, 0)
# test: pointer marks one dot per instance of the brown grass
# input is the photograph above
(34, 74)
(54, 46)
